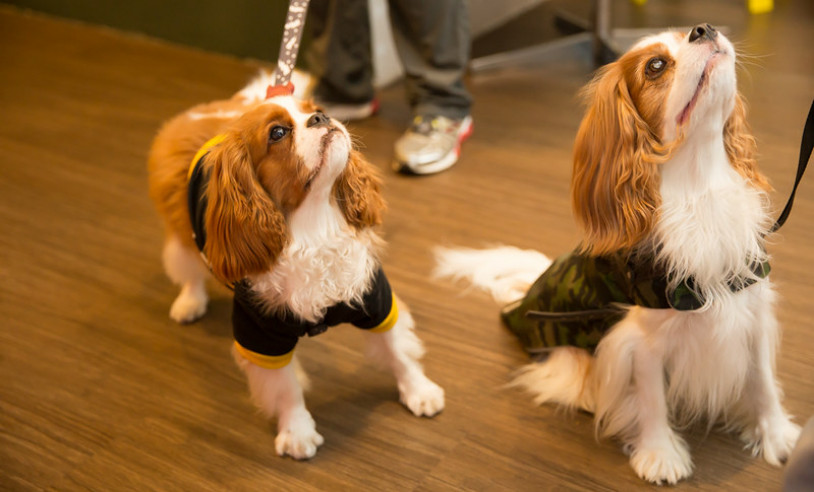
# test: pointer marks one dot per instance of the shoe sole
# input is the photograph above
(351, 112)
(441, 164)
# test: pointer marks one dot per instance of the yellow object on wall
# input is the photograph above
(760, 6)
(755, 6)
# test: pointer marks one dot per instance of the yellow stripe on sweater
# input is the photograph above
(389, 321)
(265, 361)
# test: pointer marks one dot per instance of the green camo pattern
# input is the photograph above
(580, 282)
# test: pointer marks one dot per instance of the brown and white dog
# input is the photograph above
(283, 208)
(664, 168)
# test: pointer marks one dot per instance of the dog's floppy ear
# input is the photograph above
(358, 192)
(245, 230)
(614, 186)
(741, 146)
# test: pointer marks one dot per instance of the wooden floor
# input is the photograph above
(99, 390)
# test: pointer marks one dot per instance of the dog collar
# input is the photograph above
(205, 148)
(280, 90)
(685, 296)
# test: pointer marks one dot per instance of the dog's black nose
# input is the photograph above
(702, 31)
(318, 119)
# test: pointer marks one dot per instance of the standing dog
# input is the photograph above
(670, 286)
(270, 194)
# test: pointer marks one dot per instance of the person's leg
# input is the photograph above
(432, 38)
(433, 41)
(338, 55)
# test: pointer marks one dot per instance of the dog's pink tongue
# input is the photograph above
(280, 90)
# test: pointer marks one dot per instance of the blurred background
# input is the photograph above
(100, 390)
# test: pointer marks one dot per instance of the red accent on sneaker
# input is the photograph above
(465, 134)
(462, 138)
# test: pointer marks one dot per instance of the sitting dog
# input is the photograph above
(665, 313)
(269, 194)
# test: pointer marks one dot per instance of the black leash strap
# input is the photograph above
(806, 146)
(290, 45)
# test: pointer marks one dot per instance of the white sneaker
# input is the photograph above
(349, 112)
(431, 144)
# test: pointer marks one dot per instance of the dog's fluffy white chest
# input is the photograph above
(714, 237)
(326, 262)
(708, 355)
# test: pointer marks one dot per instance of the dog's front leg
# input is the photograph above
(768, 429)
(279, 392)
(659, 454)
(400, 349)
(631, 400)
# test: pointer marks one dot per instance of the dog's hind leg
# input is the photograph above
(185, 268)
(400, 350)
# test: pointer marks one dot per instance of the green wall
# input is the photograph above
(244, 28)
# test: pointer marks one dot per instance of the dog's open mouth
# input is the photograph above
(684, 116)
(324, 142)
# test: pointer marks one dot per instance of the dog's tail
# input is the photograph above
(563, 378)
(505, 272)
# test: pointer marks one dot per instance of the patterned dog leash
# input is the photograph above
(289, 48)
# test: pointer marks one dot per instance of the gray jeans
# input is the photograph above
(432, 40)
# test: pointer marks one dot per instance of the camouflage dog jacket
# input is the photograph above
(580, 297)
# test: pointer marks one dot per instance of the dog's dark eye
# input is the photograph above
(655, 66)
(278, 133)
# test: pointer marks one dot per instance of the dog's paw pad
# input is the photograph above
(300, 444)
(187, 308)
(667, 463)
(423, 398)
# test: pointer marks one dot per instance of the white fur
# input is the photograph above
(325, 262)
(659, 368)
(279, 392)
(185, 268)
(505, 272)
(255, 90)
(400, 350)
(219, 114)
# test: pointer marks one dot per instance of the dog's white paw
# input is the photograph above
(773, 438)
(299, 439)
(665, 460)
(422, 397)
(188, 307)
